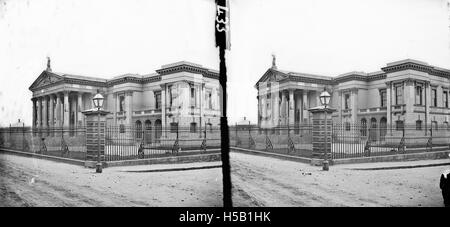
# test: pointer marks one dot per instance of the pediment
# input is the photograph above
(46, 78)
(272, 75)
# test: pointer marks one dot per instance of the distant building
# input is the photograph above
(17, 124)
(244, 124)
(403, 92)
(182, 94)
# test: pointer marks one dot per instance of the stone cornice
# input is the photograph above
(418, 67)
(307, 80)
(188, 68)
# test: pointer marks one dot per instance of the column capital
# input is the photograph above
(409, 82)
(388, 84)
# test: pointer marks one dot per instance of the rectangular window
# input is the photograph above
(433, 98)
(383, 98)
(398, 94)
(419, 96)
(210, 100)
(158, 100)
(193, 128)
(173, 127)
(170, 95)
(347, 101)
(399, 125)
(193, 95)
(445, 98)
(121, 103)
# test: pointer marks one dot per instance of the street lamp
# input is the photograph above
(325, 100)
(98, 103)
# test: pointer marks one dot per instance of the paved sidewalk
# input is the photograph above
(166, 167)
(394, 165)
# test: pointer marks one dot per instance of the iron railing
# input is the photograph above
(121, 142)
(348, 140)
(68, 142)
(135, 142)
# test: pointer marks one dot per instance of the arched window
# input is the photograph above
(419, 125)
(122, 128)
(446, 125)
(363, 127)
(138, 129)
(434, 125)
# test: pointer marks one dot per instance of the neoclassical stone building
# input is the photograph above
(182, 94)
(407, 92)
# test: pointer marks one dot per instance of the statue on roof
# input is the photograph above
(274, 59)
(48, 64)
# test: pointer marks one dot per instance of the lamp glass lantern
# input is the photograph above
(98, 100)
(325, 98)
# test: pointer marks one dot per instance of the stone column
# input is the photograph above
(33, 124)
(44, 112)
(51, 120)
(39, 112)
(80, 109)
(409, 101)
(276, 108)
(389, 105)
(283, 108)
(66, 121)
(259, 110)
(439, 97)
(114, 109)
(263, 109)
(339, 105)
(58, 108)
(202, 104)
(318, 98)
(305, 106)
(291, 107)
(129, 107)
(163, 109)
(427, 106)
(354, 105)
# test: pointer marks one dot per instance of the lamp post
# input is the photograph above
(98, 103)
(325, 100)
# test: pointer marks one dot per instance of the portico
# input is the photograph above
(284, 98)
(60, 108)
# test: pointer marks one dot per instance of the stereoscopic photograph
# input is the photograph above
(224, 103)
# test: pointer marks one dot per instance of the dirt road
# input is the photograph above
(33, 182)
(257, 181)
(265, 181)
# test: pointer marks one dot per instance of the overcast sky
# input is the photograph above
(107, 38)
